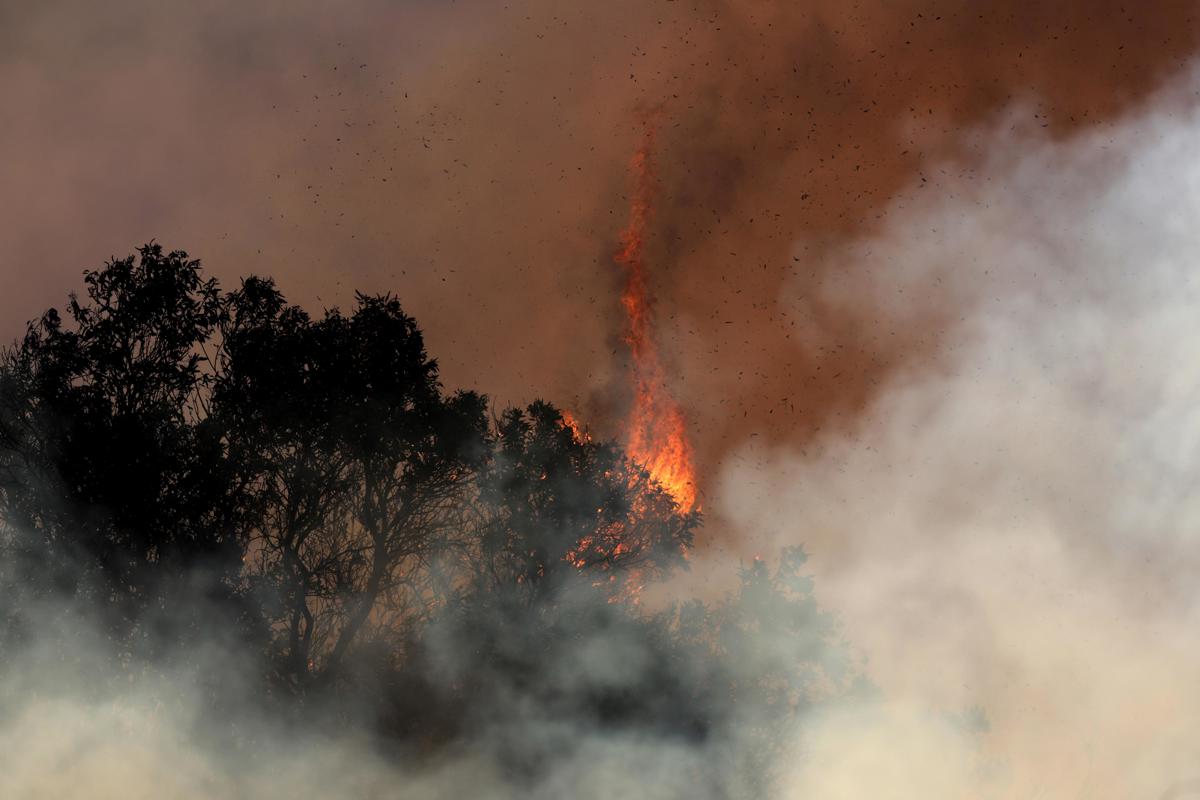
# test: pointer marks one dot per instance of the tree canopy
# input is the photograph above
(189, 463)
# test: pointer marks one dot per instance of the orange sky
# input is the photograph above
(471, 157)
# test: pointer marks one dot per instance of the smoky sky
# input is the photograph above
(924, 278)
(471, 157)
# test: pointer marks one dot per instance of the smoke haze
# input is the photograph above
(471, 157)
(927, 283)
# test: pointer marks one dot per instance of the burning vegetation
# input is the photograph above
(189, 471)
(655, 431)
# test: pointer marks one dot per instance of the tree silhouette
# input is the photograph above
(357, 461)
(553, 504)
(193, 465)
(120, 494)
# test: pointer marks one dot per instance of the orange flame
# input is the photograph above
(656, 433)
(571, 423)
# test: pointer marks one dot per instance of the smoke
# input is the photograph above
(83, 718)
(471, 157)
(1006, 534)
(1012, 527)
(974, 369)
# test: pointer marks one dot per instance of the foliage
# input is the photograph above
(121, 497)
(199, 465)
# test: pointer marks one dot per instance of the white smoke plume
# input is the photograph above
(1011, 533)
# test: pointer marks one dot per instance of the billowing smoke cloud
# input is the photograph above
(81, 718)
(1013, 528)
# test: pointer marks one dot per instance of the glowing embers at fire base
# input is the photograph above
(655, 432)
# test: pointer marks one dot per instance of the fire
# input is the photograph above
(571, 423)
(656, 433)
(655, 430)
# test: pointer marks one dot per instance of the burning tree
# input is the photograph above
(554, 501)
(204, 466)
(380, 498)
